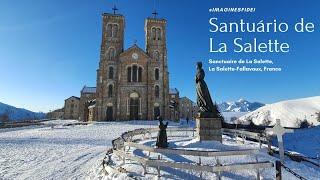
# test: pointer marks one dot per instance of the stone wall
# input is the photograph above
(71, 108)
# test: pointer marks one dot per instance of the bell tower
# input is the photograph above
(111, 46)
(156, 48)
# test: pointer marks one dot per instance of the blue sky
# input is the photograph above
(49, 49)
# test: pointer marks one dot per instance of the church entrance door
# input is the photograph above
(134, 108)
(134, 105)
(109, 115)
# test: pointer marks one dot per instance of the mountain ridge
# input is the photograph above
(241, 105)
(12, 113)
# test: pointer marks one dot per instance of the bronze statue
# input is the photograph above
(162, 140)
(204, 101)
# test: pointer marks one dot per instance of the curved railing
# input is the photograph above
(130, 139)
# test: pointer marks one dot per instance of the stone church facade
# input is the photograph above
(132, 83)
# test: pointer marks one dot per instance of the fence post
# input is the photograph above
(219, 173)
(260, 144)
(124, 158)
(200, 165)
(278, 170)
(144, 169)
(243, 138)
(269, 146)
(158, 168)
(236, 136)
(258, 172)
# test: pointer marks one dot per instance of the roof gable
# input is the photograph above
(132, 49)
(73, 97)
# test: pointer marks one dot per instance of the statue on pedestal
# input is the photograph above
(204, 101)
(162, 140)
(209, 120)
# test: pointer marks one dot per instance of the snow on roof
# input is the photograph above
(86, 89)
(173, 91)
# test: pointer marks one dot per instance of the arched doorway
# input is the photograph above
(134, 106)
(109, 112)
(156, 110)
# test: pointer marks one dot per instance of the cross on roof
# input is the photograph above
(155, 13)
(114, 9)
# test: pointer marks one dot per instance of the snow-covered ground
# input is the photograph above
(55, 151)
(62, 150)
(290, 112)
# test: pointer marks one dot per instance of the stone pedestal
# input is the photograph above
(209, 129)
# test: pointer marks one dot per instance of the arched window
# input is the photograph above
(156, 110)
(115, 29)
(153, 33)
(140, 74)
(156, 55)
(156, 91)
(156, 74)
(110, 91)
(111, 72)
(158, 34)
(134, 73)
(109, 30)
(129, 69)
(111, 53)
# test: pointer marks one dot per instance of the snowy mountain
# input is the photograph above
(291, 113)
(239, 106)
(12, 113)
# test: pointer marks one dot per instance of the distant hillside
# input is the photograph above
(239, 106)
(11, 113)
(290, 112)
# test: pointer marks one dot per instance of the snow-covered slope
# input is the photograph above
(18, 114)
(239, 106)
(290, 112)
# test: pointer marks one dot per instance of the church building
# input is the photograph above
(132, 83)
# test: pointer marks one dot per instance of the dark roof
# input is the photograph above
(73, 97)
(173, 91)
(89, 90)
